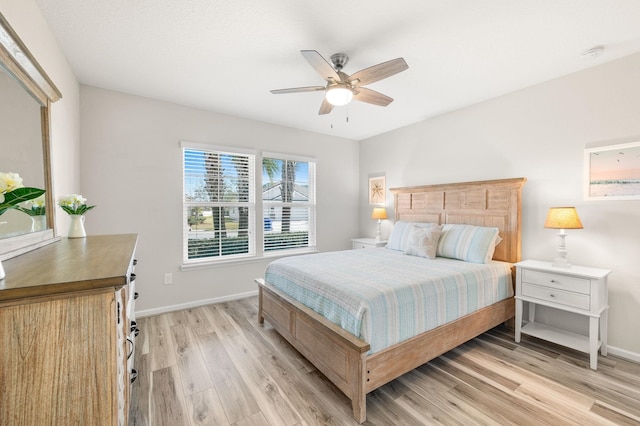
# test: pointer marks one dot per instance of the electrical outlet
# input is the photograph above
(168, 278)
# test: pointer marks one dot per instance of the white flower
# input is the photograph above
(72, 200)
(9, 182)
(13, 192)
(36, 202)
(74, 204)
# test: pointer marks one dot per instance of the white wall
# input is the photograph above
(539, 133)
(131, 167)
(25, 18)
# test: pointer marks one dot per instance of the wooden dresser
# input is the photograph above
(65, 337)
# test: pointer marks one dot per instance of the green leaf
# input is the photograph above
(80, 210)
(68, 209)
(33, 211)
(20, 195)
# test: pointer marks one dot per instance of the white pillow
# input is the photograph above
(400, 234)
(470, 243)
(423, 241)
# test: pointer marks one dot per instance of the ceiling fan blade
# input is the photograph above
(325, 107)
(378, 72)
(320, 64)
(298, 90)
(372, 97)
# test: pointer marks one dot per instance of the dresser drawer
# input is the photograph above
(567, 298)
(562, 282)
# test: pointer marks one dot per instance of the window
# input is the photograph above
(288, 203)
(219, 204)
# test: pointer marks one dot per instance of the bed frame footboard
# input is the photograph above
(339, 355)
(343, 358)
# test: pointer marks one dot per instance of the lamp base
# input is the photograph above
(561, 260)
(561, 263)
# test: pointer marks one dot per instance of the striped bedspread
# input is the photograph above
(384, 296)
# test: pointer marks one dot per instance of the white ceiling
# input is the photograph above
(225, 56)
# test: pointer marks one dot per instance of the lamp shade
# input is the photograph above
(339, 95)
(379, 213)
(563, 218)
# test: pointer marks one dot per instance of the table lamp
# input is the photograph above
(379, 213)
(562, 218)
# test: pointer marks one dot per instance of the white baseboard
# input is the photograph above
(195, 304)
(622, 353)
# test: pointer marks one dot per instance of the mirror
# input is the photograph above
(26, 94)
(21, 146)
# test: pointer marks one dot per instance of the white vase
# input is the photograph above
(39, 223)
(76, 229)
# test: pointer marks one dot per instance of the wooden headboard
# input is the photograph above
(494, 203)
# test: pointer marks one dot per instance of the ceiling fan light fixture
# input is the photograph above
(339, 95)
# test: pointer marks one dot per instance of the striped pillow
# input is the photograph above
(400, 234)
(470, 243)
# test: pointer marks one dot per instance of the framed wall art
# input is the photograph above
(377, 190)
(612, 172)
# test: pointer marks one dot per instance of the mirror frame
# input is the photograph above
(16, 59)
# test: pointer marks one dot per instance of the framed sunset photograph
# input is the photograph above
(613, 172)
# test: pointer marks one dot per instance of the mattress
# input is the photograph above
(384, 296)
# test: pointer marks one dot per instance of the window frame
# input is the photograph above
(256, 208)
(311, 204)
(252, 159)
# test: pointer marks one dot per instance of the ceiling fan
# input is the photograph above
(342, 88)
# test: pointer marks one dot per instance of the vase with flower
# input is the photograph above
(36, 209)
(12, 193)
(75, 205)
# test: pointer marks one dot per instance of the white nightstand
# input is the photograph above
(364, 243)
(578, 289)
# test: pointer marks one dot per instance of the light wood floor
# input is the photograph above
(215, 365)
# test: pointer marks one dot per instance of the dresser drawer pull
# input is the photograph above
(132, 277)
(134, 375)
(552, 295)
(132, 347)
(135, 262)
(136, 295)
(134, 329)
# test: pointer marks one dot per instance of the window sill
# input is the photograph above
(254, 259)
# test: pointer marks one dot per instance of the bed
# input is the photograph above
(352, 363)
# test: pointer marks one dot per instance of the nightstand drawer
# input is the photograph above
(366, 243)
(562, 282)
(567, 298)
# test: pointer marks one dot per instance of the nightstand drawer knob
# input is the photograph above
(552, 295)
(554, 281)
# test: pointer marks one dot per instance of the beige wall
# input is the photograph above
(131, 167)
(539, 133)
